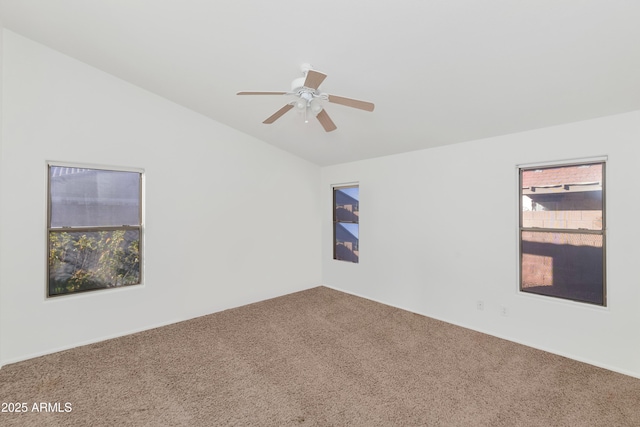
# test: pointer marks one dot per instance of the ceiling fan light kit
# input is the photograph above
(309, 99)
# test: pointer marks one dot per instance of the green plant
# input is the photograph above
(80, 261)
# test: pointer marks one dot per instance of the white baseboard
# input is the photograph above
(135, 331)
(87, 342)
(517, 341)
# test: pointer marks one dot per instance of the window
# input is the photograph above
(94, 229)
(562, 232)
(346, 211)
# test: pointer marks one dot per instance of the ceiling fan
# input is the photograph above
(309, 99)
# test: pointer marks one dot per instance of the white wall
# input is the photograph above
(221, 228)
(438, 232)
(1, 200)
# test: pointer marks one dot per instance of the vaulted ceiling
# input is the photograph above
(439, 72)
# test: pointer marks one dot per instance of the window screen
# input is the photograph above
(562, 232)
(346, 214)
(94, 231)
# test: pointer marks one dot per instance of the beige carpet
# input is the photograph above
(320, 358)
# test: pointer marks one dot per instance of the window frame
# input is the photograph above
(49, 229)
(335, 221)
(578, 231)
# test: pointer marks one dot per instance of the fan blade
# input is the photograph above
(261, 93)
(314, 78)
(326, 121)
(275, 116)
(363, 105)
